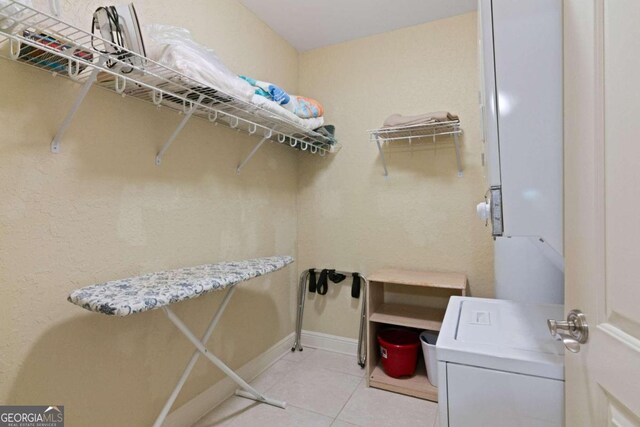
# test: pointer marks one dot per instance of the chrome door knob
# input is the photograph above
(572, 332)
(483, 210)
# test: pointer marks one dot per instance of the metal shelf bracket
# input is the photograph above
(456, 143)
(188, 112)
(55, 143)
(384, 162)
(267, 135)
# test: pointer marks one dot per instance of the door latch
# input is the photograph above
(572, 332)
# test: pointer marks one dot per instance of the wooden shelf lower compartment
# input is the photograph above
(417, 385)
(409, 316)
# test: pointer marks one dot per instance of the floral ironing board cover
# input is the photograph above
(154, 290)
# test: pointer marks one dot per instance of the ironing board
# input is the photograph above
(158, 290)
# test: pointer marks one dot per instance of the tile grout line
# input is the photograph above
(336, 370)
(341, 408)
(309, 410)
(299, 362)
(345, 403)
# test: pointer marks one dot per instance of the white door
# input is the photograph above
(602, 208)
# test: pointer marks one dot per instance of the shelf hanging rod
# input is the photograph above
(120, 87)
(14, 49)
(156, 97)
(191, 105)
(55, 143)
(429, 135)
(175, 133)
(235, 123)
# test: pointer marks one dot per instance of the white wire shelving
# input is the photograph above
(38, 39)
(419, 132)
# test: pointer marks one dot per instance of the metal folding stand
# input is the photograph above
(200, 344)
(302, 292)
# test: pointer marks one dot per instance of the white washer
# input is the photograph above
(498, 365)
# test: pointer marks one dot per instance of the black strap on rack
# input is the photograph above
(323, 283)
(312, 280)
(355, 286)
(336, 277)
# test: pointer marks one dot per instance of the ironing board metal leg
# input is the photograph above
(251, 392)
(302, 292)
(194, 358)
(55, 143)
(263, 399)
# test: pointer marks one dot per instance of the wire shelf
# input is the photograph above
(417, 132)
(46, 42)
(430, 130)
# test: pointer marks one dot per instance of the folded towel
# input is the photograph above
(395, 120)
(305, 108)
(329, 132)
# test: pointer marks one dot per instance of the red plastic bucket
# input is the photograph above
(399, 351)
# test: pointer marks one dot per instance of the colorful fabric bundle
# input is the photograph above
(301, 106)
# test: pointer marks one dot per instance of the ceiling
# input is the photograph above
(309, 24)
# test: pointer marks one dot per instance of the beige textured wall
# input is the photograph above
(102, 210)
(423, 216)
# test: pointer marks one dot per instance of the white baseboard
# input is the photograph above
(329, 342)
(189, 413)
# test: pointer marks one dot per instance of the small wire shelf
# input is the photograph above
(48, 43)
(418, 132)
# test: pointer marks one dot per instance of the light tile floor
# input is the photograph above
(321, 388)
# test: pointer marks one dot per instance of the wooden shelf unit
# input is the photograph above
(381, 314)
(410, 316)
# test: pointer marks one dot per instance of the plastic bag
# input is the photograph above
(175, 48)
(16, 11)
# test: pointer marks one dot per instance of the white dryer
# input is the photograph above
(520, 57)
(498, 365)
